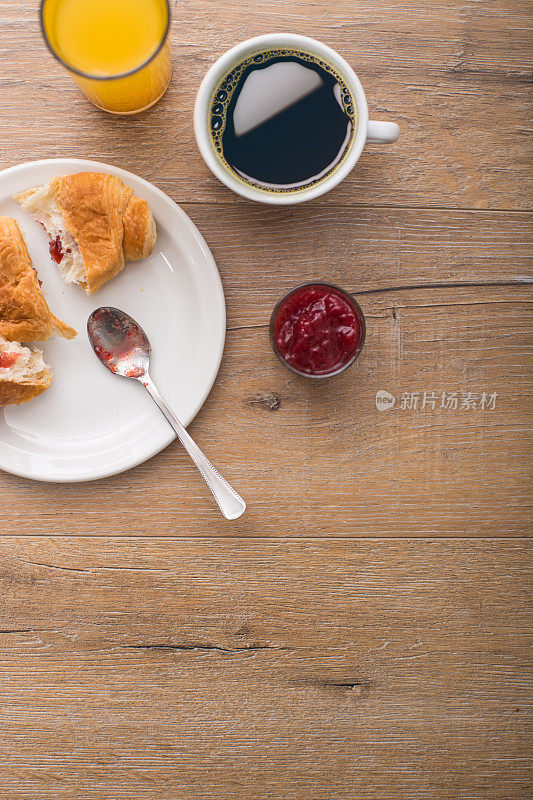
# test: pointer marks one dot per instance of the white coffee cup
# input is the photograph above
(366, 130)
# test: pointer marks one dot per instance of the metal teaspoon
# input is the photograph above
(123, 347)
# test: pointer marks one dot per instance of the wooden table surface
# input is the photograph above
(362, 632)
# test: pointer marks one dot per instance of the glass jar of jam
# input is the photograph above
(317, 330)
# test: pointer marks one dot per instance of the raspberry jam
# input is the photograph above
(56, 250)
(317, 329)
(7, 359)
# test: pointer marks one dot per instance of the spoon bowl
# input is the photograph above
(119, 342)
(123, 347)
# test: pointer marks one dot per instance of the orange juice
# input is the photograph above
(117, 50)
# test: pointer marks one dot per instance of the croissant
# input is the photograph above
(23, 373)
(95, 223)
(24, 313)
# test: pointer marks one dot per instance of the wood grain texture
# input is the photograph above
(448, 308)
(263, 252)
(312, 461)
(214, 669)
(363, 633)
(455, 75)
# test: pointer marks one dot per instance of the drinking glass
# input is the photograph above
(117, 51)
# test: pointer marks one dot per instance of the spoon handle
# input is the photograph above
(230, 503)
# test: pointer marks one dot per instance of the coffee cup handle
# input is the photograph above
(382, 132)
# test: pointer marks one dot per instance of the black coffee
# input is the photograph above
(282, 120)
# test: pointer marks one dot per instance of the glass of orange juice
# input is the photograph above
(118, 51)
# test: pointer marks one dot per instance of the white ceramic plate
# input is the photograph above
(90, 424)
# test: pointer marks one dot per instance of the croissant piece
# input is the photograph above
(24, 313)
(23, 373)
(95, 223)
